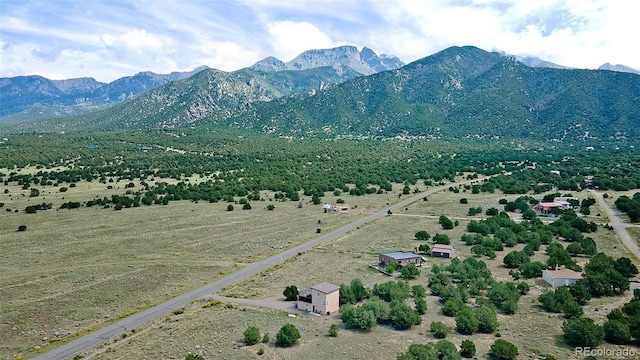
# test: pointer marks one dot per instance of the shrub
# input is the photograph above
(403, 316)
(22, 228)
(246, 206)
(230, 207)
(503, 349)
(464, 201)
(178, 311)
(287, 336)
(251, 335)
(270, 207)
(466, 321)
(418, 291)
(266, 339)
(582, 332)
(487, 319)
(442, 239)
(617, 332)
(410, 271)
(439, 329)
(422, 235)
(359, 318)
(194, 357)
(261, 351)
(291, 293)
(421, 305)
(391, 267)
(333, 330)
(467, 349)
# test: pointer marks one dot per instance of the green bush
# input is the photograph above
(439, 329)
(582, 332)
(194, 357)
(503, 350)
(287, 336)
(333, 330)
(467, 349)
(251, 335)
(291, 293)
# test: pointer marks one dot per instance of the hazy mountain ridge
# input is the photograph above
(211, 92)
(618, 67)
(32, 97)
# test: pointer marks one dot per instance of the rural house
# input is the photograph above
(401, 258)
(562, 277)
(323, 298)
(443, 251)
(546, 208)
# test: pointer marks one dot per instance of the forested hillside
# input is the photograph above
(460, 93)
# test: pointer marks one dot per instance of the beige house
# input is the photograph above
(561, 277)
(323, 298)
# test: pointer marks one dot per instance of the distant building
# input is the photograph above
(546, 208)
(561, 277)
(401, 258)
(323, 298)
(335, 207)
(443, 251)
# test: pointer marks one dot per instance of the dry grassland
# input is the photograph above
(216, 332)
(74, 270)
(77, 270)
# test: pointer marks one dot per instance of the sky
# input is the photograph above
(109, 39)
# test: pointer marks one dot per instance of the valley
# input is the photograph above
(169, 223)
(75, 270)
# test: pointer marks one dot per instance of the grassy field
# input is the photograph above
(75, 270)
(216, 332)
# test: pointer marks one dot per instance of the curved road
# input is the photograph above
(619, 226)
(116, 329)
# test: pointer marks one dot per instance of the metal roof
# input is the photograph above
(401, 255)
(325, 287)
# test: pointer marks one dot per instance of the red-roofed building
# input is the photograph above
(546, 208)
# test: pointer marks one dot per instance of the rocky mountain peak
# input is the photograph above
(618, 67)
(365, 62)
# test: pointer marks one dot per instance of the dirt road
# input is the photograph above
(118, 328)
(619, 226)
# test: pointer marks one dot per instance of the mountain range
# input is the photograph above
(459, 92)
(462, 92)
(365, 62)
(26, 98)
(35, 97)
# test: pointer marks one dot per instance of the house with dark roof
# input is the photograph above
(323, 298)
(443, 251)
(401, 258)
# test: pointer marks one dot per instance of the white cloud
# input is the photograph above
(137, 40)
(289, 39)
(109, 39)
(226, 55)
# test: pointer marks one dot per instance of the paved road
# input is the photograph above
(619, 226)
(116, 329)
